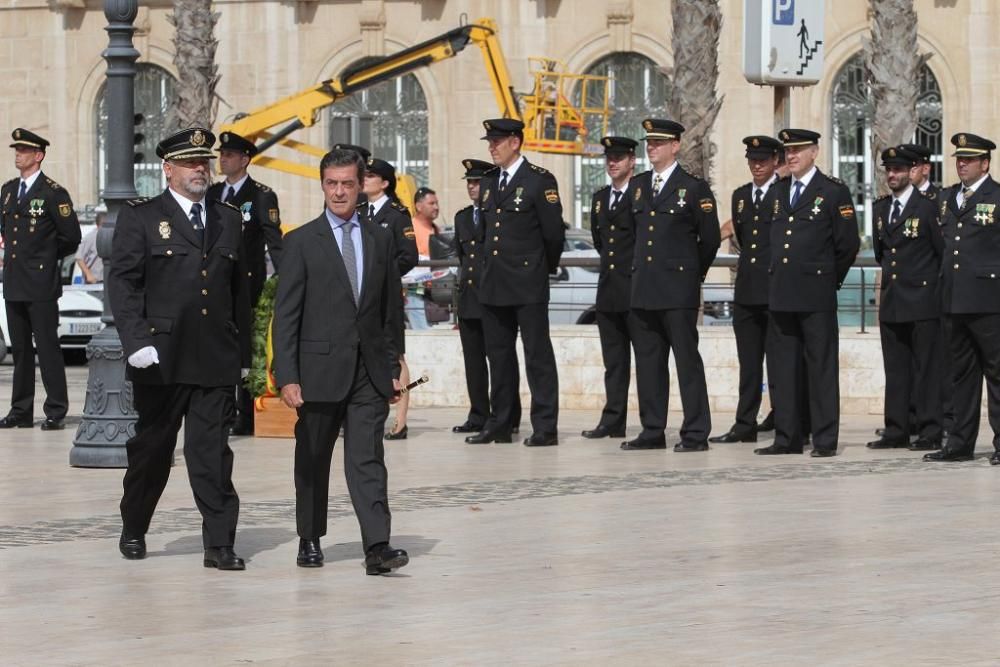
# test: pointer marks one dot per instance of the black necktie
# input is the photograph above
(797, 193)
(371, 211)
(618, 196)
(230, 194)
(23, 191)
(503, 181)
(199, 228)
(896, 210)
(757, 196)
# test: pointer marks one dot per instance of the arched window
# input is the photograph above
(852, 113)
(390, 119)
(637, 90)
(154, 89)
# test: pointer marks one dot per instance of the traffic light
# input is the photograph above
(138, 140)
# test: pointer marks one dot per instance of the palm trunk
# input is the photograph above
(194, 57)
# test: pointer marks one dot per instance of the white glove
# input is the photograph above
(244, 372)
(145, 357)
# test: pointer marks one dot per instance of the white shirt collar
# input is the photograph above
(902, 199)
(926, 185)
(763, 188)
(30, 180)
(186, 204)
(235, 186)
(806, 178)
(379, 203)
(512, 169)
(975, 186)
(664, 175)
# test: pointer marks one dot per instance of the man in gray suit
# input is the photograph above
(336, 362)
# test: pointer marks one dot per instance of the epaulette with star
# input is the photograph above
(602, 190)
(928, 194)
(224, 203)
(52, 184)
(399, 207)
(263, 188)
(835, 179)
(139, 201)
(882, 198)
(540, 170)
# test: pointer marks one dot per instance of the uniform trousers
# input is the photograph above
(38, 319)
(911, 355)
(477, 377)
(616, 351)
(975, 354)
(205, 412)
(751, 324)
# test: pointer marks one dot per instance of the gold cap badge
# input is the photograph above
(198, 138)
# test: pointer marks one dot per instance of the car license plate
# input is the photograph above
(85, 327)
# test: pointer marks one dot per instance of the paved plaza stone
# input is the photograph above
(576, 555)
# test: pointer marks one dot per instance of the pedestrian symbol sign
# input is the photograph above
(783, 41)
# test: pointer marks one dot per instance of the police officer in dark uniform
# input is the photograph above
(258, 205)
(752, 209)
(39, 228)
(908, 245)
(970, 275)
(920, 173)
(523, 235)
(468, 249)
(814, 240)
(614, 237)
(179, 294)
(676, 239)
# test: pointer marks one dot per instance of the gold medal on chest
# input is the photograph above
(164, 230)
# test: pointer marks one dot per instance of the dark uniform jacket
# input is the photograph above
(258, 205)
(37, 233)
(676, 239)
(614, 238)
(970, 269)
(812, 245)
(752, 227)
(522, 235)
(191, 303)
(395, 217)
(909, 251)
(468, 248)
(318, 331)
(932, 192)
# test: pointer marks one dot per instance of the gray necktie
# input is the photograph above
(350, 259)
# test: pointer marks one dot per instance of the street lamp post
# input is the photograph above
(108, 413)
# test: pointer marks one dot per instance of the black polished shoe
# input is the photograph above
(691, 447)
(924, 444)
(603, 431)
(733, 436)
(310, 555)
(486, 437)
(541, 440)
(16, 422)
(645, 443)
(53, 424)
(133, 548)
(774, 450)
(822, 453)
(467, 427)
(397, 435)
(995, 459)
(223, 558)
(948, 455)
(383, 559)
(880, 432)
(768, 423)
(885, 443)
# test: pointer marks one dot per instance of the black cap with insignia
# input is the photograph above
(971, 145)
(899, 157)
(797, 137)
(383, 169)
(661, 128)
(497, 128)
(194, 142)
(230, 141)
(475, 169)
(619, 145)
(360, 150)
(761, 146)
(922, 152)
(25, 139)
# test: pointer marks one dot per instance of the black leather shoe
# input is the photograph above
(885, 443)
(52, 424)
(241, 430)
(880, 432)
(223, 558)
(397, 435)
(733, 436)
(486, 437)
(466, 428)
(768, 423)
(822, 453)
(383, 559)
(16, 422)
(133, 548)
(541, 440)
(995, 459)
(310, 555)
(924, 444)
(774, 450)
(645, 443)
(603, 431)
(691, 447)
(948, 455)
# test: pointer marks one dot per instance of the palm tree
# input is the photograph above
(194, 57)
(692, 97)
(893, 67)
